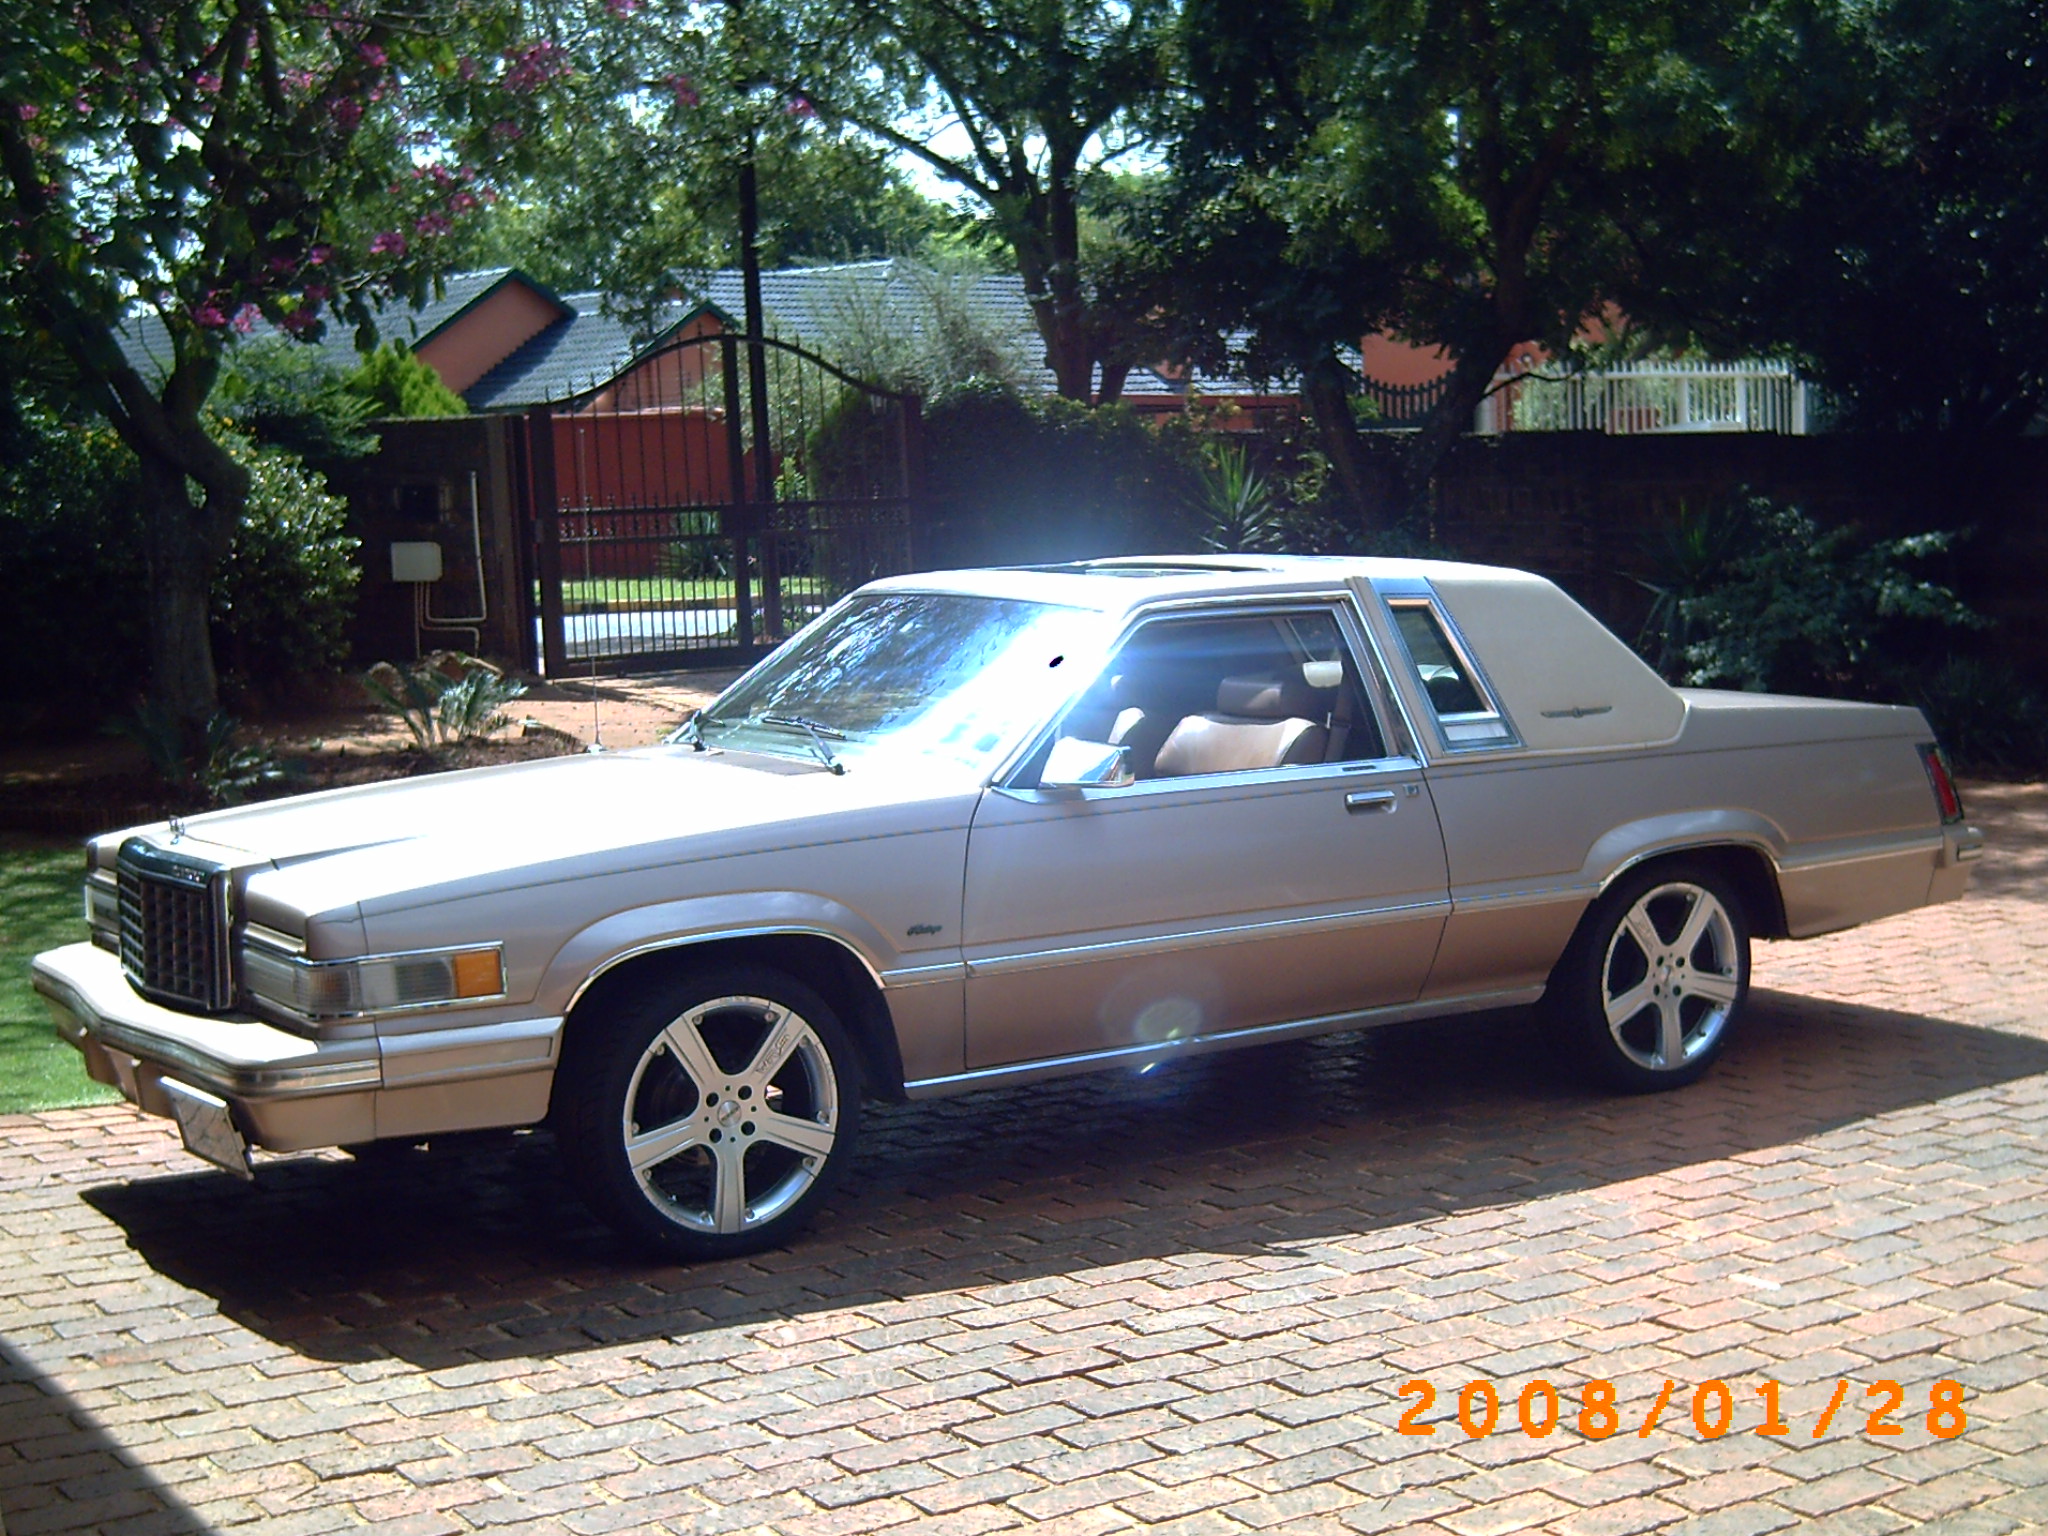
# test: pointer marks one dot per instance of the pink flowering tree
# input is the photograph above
(177, 174)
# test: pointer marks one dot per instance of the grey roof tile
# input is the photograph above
(594, 342)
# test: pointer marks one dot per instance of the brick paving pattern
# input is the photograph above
(1184, 1302)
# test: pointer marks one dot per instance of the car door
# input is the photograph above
(1274, 860)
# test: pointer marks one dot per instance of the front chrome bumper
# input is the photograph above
(288, 1092)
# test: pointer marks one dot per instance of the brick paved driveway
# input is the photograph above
(1185, 1302)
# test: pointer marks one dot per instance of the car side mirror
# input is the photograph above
(1077, 764)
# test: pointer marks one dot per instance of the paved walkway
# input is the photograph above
(1197, 1301)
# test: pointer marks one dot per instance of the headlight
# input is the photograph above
(346, 989)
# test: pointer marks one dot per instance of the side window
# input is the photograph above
(1231, 694)
(1466, 714)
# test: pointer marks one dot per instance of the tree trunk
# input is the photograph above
(1367, 486)
(1448, 420)
(183, 545)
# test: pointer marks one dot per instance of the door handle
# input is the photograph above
(1365, 801)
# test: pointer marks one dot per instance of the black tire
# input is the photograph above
(782, 1127)
(1654, 982)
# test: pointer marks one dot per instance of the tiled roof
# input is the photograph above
(810, 305)
(592, 343)
(145, 342)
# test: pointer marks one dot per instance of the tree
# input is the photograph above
(1903, 262)
(174, 171)
(625, 202)
(1040, 94)
(1470, 174)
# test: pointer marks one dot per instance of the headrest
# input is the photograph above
(1267, 698)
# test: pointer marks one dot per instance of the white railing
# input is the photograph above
(1649, 397)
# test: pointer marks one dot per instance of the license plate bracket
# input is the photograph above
(208, 1127)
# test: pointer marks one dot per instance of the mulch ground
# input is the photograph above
(77, 787)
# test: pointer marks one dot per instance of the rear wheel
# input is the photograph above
(1656, 978)
(710, 1116)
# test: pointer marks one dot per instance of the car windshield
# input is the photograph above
(940, 674)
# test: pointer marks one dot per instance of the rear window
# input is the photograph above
(1466, 715)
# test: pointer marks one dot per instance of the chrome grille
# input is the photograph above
(174, 927)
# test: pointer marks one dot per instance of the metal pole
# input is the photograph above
(738, 515)
(757, 393)
(545, 501)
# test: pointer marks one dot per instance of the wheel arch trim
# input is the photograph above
(869, 1019)
(1710, 833)
(623, 937)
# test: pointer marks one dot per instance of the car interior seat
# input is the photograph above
(1258, 722)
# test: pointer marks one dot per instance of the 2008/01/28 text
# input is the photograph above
(1540, 1407)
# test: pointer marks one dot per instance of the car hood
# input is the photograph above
(384, 846)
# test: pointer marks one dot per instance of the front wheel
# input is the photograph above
(1655, 979)
(709, 1117)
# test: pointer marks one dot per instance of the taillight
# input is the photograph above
(1943, 781)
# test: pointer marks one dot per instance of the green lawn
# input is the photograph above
(670, 591)
(40, 906)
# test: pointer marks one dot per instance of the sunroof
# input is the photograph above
(1150, 568)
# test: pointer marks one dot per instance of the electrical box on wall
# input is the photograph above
(416, 562)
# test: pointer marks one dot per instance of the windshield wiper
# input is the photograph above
(817, 730)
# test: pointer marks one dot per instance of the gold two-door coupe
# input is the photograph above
(980, 827)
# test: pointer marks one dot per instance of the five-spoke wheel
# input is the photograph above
(708, 1117)
(1656, 977)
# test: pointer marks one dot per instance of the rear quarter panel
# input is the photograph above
(1834, 794)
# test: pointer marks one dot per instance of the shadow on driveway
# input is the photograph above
(58, 1464)
(441, 1258)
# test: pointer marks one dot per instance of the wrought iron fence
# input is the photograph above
(712, 500)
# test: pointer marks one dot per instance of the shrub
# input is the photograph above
(1771, 601)
(1988, 716)
(444, 699)
(1013, 481)
(205, 765)
(392, 382)
(1236, 502)
(289, 395)
(73, 625)
(76, 615)
(283, 597)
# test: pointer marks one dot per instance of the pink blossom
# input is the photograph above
(206, 83)
(245, 319)
(209, 316)
(685, 93)
(318, 255)
(347, 112)
(433, 224)
(462, 202)
(798, 107)
(28, 111)
(533, 66)
(374, 56)
(317, 293)
(82, 105)
(300, 321)
(622, 7)
(391, 243)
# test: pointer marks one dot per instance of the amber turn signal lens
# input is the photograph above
(477, 973)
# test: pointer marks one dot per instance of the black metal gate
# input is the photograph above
(709, 501)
